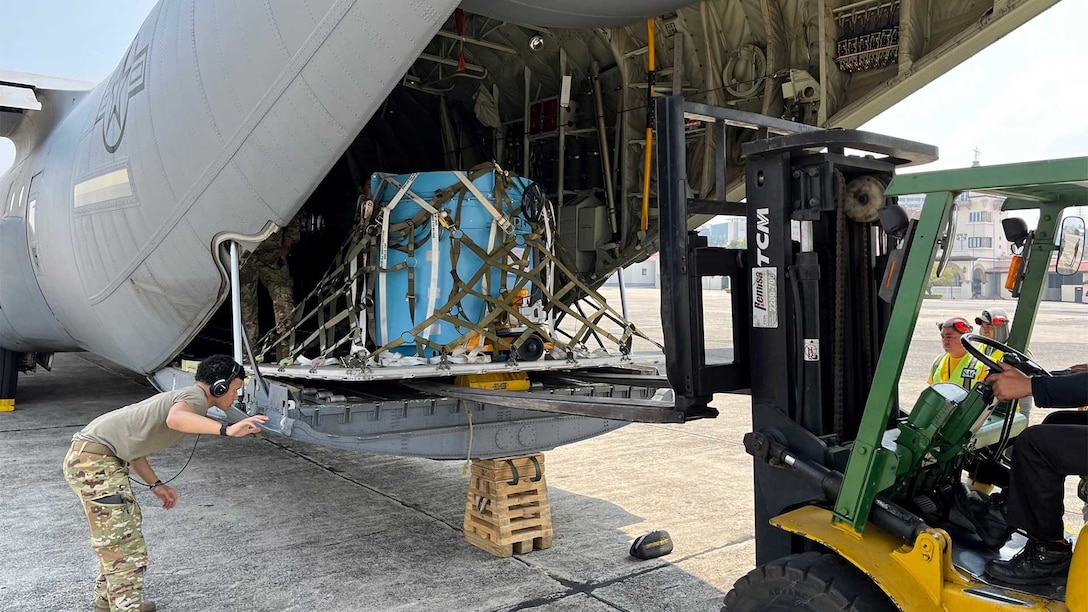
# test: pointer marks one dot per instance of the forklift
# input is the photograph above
(855, 492)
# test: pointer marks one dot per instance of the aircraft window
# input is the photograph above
(108, 187)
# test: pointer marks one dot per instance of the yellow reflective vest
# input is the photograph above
(965, 371)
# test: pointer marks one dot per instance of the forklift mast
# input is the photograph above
(811, 294)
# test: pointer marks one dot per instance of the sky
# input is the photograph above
(1021, 99)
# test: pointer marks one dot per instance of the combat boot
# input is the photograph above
(1038, 563)
(101, 605)
(988, 518)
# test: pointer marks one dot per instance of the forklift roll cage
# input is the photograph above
(791, 340)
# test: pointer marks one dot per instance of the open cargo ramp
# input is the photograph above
(430, 417)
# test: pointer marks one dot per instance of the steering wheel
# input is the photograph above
(1011, 356)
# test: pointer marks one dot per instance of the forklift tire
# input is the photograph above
(532, 349)
(813, 581)
(9, 373)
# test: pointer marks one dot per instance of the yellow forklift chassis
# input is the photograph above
(922, 578)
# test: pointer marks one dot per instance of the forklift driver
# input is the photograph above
(955, 366)
(1044, 455)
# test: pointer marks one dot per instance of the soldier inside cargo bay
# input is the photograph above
(267, 265)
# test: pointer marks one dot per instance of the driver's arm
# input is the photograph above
(1067, 391)
(1063, 391)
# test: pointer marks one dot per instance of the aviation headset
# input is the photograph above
(220, 387)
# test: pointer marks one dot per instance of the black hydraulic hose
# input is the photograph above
(1006, 432)
(884, 514)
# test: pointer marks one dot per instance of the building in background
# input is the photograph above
(642, 274)
(978, 264)
(981, 256)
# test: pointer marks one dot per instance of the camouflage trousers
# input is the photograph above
(116, 529)
(277, 280)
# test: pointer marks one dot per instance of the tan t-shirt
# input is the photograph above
(140, 429)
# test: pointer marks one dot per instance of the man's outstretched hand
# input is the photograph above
(1009, 384)
(246, 427)
(168, 495)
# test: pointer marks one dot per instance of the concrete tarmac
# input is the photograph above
(267, 524)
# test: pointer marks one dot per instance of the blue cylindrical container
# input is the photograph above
(393, 317)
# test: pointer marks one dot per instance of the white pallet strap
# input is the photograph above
(503, 222)
(436, 258)
(383, 256)
(424, 204)
(487, 277)
(490, 247)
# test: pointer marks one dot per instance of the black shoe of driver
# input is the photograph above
(988, 517)
(1038, 563)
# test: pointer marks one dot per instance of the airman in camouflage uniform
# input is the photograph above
(116, 528)
(97, 469)
(268, 265)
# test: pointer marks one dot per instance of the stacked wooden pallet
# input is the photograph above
(507, 510)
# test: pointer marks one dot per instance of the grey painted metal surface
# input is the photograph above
(27, 321)
(334, 372)
(574, 13)
(221, 118)
(433, 427)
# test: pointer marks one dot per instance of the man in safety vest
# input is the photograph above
(994, 324)
(955, 366)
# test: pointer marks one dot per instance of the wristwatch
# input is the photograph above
(222, 429)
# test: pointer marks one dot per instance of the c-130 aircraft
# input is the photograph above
(223, 120)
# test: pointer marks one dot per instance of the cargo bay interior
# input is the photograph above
(488, 90)
(491, 91)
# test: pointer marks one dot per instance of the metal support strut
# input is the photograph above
(236, 300)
